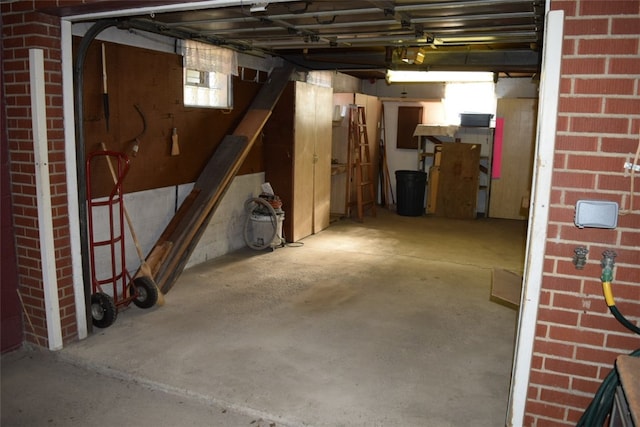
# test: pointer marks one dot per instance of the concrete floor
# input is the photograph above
(385, 323)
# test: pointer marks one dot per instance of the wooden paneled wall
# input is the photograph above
(153, 81)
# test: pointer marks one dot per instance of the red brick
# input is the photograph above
(564, 398)
(622, 105)
(528, 419)
(610, 7)
(618, 145)
(573, 301)
(559, 160)
(546, 408)
(625, 25)
(581, 66)
(578, 26)
(604, 86)
(576, 143)
(574, 335)
(600, 125)
(630, 257)
(544, 422)
(553, 231)
(569, 46)
(30, 28)
(562, 124)
(585, 385)
(571, 197)
(625, 343)
(624, 65)
(561, 215)
(629, 221)
(602, 356)
(536, 362)
(545, 298)
(556, 197)
(580, 105)
(41, 41)
(614, 182)
(589, 235)
(608, 46)
(573, 180)
(630, 238)
(561, 283)
(550, 348)
(594, 163)
(566, 84)
(548, 378)
(602, 321)
(560, 249)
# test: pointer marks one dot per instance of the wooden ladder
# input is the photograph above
(360, 170)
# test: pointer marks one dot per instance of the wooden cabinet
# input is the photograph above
(297, 154)
(340, 140)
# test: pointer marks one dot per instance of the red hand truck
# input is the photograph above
(117, 290)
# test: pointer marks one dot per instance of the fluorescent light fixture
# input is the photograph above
(400, 76)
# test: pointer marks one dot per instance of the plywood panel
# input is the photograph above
(514, 183)
(458, 180)
(339, 154)
(153, 81)
(304, 145)
(322, 159)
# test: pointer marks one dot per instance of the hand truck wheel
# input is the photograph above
(144, 292)
(103, 310)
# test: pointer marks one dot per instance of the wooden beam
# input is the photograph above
(171, 252)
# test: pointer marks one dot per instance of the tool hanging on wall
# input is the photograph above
(136, 140)
(175, 148)
(105, 94)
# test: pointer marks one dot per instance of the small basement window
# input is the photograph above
(207, 89)
(207, 74)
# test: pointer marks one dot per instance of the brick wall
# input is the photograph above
(23, 29)
(577, 340)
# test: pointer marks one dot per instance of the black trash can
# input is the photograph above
(410, 187)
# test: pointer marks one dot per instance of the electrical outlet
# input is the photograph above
(596, 214)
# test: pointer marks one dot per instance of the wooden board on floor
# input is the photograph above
(506, 287)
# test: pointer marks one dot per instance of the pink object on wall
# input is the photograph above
(496, 167)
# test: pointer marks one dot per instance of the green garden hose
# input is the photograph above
(602, 403)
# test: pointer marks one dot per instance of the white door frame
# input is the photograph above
(538, 215)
